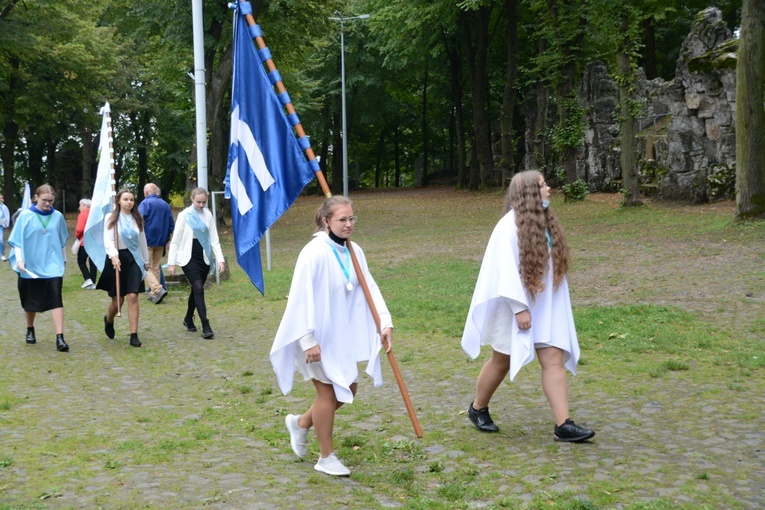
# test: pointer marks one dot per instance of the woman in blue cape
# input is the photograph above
(195, 243)
(127, 254)
(38, 255)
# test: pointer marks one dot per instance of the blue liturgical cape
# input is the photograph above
(42, 248)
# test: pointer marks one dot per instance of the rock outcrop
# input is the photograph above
(686, 142)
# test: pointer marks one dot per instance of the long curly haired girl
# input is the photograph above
(534, 222)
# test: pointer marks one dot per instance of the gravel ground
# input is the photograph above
(71, 415)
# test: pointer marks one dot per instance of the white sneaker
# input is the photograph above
(87, 284)
(297, 435)
(2, 258)
(92, 286)
(331, 466)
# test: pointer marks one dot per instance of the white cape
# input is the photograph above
(339, 319)
(499, 282)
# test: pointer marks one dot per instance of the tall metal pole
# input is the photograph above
(342, 88)
(199, 88)
(341, 19)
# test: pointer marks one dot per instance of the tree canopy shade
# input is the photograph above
(436, 91)
(56, 66)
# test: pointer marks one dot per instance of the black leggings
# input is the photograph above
(197, 300)
(82, 261)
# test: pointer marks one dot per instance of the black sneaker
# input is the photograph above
(481, 419)
(108, 328)
(570, 432)
(31, 336)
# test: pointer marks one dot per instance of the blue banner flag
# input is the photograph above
(267, 169)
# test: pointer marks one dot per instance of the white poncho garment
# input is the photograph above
(340, 320)
(490, 320)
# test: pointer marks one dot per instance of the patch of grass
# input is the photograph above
(676, 366)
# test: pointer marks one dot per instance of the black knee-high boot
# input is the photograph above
(207, 331)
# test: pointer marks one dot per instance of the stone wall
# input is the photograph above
(686, 141)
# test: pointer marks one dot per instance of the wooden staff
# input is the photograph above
(327, 193)
(117, 270)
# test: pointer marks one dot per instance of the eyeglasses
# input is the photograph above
(48, 200)
(349, 219)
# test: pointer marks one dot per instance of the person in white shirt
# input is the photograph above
(327, 329)
(521, 306)
(5, 222)
(128, 255)
(196, 248)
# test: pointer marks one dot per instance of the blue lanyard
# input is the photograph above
(345, 267)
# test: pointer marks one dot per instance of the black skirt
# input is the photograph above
(131, 276)
(40, 294)
(196, 269)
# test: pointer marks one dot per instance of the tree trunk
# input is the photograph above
(397, 157)
(36, 152)
(380, 151)
(337, 157)
(86, 186)
(54, 179)
(627, 123)
(218, 101)
(568, 73)
(424, 120)
(649, 62)
(452, 50)
(479, 85)
(750, 112)
(10, 134)
(475, 166)
(508, 99)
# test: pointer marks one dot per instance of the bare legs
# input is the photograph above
(132, 300)
(491, 376)
(58, 319)
(554, 382)
(321, 415)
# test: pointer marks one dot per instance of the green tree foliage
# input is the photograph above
(56, 65)
(436, 90)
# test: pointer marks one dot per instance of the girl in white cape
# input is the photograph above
(521, 306)
(327, 329)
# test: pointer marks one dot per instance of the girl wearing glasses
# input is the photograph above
(327, 329)
(521, 306)
(195, 243)
(38, 243)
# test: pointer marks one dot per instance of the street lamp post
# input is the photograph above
(343, 19)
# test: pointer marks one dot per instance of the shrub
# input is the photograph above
(575, 191)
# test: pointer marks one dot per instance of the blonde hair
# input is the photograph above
(328, 208)
(45, 189)
(533, 221)
(198, 191)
